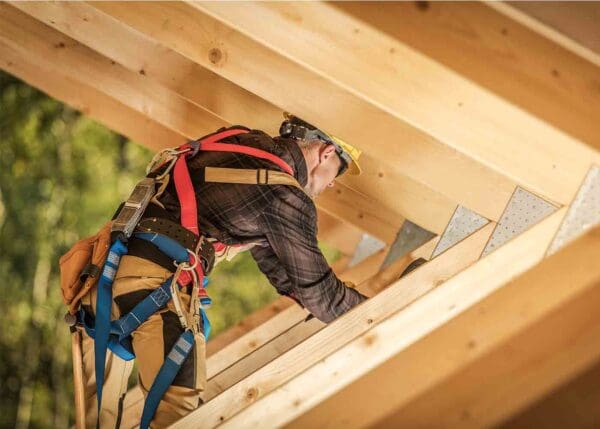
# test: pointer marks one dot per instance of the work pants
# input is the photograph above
(152, 341)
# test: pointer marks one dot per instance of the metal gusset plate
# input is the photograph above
(463, 223)
(583, 214)
(367, 246)
(409, 238)
(522, 212)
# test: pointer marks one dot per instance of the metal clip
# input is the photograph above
(133, 209)
(177, 300)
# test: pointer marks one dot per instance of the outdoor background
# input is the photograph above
(62, 175)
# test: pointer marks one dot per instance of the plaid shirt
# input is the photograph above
(281, 220)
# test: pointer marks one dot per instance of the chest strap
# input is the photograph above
(260, 176)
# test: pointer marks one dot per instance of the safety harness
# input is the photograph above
(192, 253)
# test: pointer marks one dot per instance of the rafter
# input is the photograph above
(493, 359)
(141, 54)
(59, 55)
(375, 346)
(417, 91)
(395, 145)
(338, 333)
(520, 65)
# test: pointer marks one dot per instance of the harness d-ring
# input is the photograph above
(185, 266)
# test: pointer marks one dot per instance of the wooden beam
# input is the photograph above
(35, 43)
(282, 321)
(141, 54)
(302, 330)
(556, 348)
(499, 53)
(339, 234)
(574, 404)
(261, 338)
(265, 314)
(389, 140)
(90, 102)
(573, 25)
(344, 329)
(391, 340)
(345, 48)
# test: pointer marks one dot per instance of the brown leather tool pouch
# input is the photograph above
(81, 266)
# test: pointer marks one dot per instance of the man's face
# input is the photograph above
(325, 172)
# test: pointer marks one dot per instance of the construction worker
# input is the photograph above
(276, 223)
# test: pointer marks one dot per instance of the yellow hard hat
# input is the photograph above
(295, 127)
(350, 155)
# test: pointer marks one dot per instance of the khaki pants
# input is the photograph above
(152, 341)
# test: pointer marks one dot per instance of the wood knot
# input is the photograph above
(142, 72)
(370, 339)
(252, 393)
(215, 56)
(422, 5)
(59, 45)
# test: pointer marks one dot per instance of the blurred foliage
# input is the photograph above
(62, 176)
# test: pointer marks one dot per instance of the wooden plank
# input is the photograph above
(576, 21)
(341, 235)
(345, 48)
(57, 53)
(338, 333)
(264, 315)
(281, 322)
(302, 330)
(574, 404)
(250, 64)
(89, 101)
(342, 202)
(381, 343)
(141, 54)
(560, 344)
(522, 66)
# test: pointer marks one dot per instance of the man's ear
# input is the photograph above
(326, 152)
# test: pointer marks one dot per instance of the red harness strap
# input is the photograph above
(185, 188)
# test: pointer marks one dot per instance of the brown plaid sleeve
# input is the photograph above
(293, 262)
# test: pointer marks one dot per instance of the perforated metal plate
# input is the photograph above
(523, 211)
(463, 223)
(584, 212)
(367, 246)
(409, 238)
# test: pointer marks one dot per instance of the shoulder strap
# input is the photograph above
(260, 176)
(183, 183)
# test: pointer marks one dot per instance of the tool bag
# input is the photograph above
(80, 267)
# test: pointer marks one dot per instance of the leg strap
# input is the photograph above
(103, 308)
(169, 369)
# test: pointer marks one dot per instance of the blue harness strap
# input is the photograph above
(169, 369)
(159, 297)
(119, 341)
(103, 307)
(116, 335)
